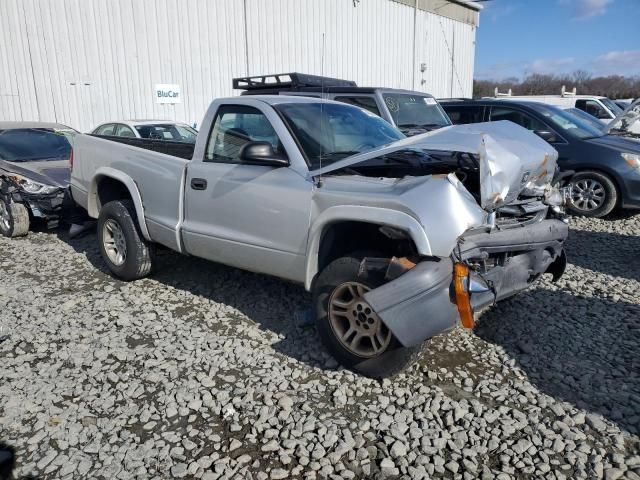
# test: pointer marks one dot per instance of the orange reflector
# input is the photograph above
(463, 302)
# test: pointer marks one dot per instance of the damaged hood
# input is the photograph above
(48, 172)
(628, 122)
(512, 159)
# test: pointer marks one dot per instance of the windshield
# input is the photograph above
(566, 122)
(168, 131)
(611, 105)
(414, 111)
(586, 117)
(27, 144)
(328, 132)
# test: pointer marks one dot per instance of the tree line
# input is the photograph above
(612, 86)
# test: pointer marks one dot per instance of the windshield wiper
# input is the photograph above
(333, 155)
(419, 125)
(623, 133)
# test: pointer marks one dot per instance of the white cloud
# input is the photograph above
(498, 10)
(550, 65)
(500, 70)
(522, 68)
(616, 62)
(586, 9)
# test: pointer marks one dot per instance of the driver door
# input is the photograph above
(253, 217)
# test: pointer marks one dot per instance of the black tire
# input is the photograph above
(388, 362)
(15, 222)
(579, 203)
(138, 259)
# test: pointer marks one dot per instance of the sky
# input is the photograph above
(519, 37)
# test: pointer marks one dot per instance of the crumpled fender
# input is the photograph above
(417, 305)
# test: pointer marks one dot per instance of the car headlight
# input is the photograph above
(29, 186)
(632, 159)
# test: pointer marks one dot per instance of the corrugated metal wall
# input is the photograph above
(82, 62)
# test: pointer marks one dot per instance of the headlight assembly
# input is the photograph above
(29, 186)
(632, 159)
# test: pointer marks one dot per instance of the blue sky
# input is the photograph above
(517, 37)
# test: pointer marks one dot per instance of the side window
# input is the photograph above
(368, 103)
(521, 118)
(593, 108)
(124, 131)
(462, 114)
(106, 129)
(233, 127)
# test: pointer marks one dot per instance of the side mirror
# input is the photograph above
(262, 153)
(546, 135)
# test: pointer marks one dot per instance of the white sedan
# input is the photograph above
(152, 129)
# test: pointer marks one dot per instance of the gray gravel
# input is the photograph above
(202, 372)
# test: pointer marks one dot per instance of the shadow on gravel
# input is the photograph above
(585, 351)
(7, 460)
(606, 252)
(267, 301)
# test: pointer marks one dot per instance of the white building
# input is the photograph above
(83, 62)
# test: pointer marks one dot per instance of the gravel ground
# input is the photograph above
(202, 372)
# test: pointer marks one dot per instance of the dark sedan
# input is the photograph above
(34, 174)
(607, 167)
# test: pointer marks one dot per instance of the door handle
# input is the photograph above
(198, 184)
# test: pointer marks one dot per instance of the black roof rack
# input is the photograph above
(288, 80)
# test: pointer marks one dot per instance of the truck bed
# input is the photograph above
(168, 147)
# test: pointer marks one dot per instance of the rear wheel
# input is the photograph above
(14, 219)
(593, 195)
(125, 251)
(349, 328)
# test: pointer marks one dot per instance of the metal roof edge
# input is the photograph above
(465, 11)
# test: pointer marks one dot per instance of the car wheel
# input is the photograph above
(593, 195)
(14, 219)
(127, 254)
(349, 328)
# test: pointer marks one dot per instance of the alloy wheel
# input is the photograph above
(588, 194)
(114, 242)
(5, 216)
(354, 323)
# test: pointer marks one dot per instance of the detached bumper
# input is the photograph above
(421, 303)
(417, 305)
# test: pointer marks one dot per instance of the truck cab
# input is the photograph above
(410, 111)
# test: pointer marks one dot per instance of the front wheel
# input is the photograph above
(127, 254)
(593, 194)
(14, 219)
(349, 328)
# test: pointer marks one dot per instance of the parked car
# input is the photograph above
(397, 238)
(623, 104)
(411, 112)
(602, 108)
(587, 118)
(152, 129)
(605, 168)
(627, 124)
(34, 174)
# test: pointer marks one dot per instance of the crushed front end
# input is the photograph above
(434, 295)
(44, 204)
(493, 214)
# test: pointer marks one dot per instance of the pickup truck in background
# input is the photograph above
(398, 239)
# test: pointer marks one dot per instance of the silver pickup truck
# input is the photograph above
(398, 239)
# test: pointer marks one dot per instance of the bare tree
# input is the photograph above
(613, 86)
(580, 77)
